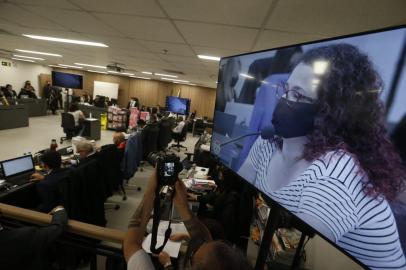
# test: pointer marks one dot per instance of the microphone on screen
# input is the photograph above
(266, 133)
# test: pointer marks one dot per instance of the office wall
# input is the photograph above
(19, 72)
(149, 92)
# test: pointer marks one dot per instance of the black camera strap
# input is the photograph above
(155, 223)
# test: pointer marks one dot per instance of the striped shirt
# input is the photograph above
(330, 190)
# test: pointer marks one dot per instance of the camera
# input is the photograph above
(168, 167)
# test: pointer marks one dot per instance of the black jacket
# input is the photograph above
(48, 190)
(24, 92)
(26, 247)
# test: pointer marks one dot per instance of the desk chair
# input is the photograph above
(68, 125)
(180, 137)
(165, 134)
(199, 127)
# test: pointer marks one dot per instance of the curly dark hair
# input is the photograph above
(351, 118)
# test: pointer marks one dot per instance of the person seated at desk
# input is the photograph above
(179, 126)
(9, 93)
(86, 151)
(27, 246)
(27, 91)
(47, 185)
(119, 140)
(79, 118)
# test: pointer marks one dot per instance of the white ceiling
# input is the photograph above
(153, 35)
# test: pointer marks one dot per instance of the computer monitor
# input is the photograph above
(178, 105)
(17, 166)
(329, 161)
(67, 80)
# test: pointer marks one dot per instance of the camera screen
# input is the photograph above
(169, 169)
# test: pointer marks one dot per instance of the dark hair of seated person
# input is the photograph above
(73, 107)
(52, 159)
(222, 256)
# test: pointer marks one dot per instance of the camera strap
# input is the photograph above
(155, 224)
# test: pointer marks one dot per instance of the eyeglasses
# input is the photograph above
(292, 96)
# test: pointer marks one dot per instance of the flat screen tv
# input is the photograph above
(67, 80)
(177, 105)
(322, 128)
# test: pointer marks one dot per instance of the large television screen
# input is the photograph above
(67, 80)
(322, 129)
(177, 105)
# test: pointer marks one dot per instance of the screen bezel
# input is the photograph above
(55, 72)
(20, 173)
(267, 198)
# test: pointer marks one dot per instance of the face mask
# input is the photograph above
(293, 120)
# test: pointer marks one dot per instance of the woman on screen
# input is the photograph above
(333, 165)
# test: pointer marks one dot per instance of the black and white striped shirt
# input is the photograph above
(330, 190)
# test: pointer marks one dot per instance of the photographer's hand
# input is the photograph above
(138, 222)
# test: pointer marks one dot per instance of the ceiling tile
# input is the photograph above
(218, 36)
(78, 21)
(235, 12)
(133, 7)
(181, 59)
(334, 18)
(17, 15)
(216, 51)
(171, 48)
(272, 39)
(46, 3)
(142, 28)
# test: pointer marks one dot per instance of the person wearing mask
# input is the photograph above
(26, 247)
(203, 252)
(47, 185)
(332, 164)
(179, 126)
(27, 91)
(9, 92)
(78, 116)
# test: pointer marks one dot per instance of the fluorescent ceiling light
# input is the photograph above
(246, 76)
(147, 72)
(88, 65)
(64, 40)
(25, 60)
(191, 84)
(319, 67)
(41, 53)
(144, 78)
(165, 75)
(208, 57)
(55, 66)
(120, 73)
(69, 66)
(174, 80)
(126, 73)
(28, 57)
(113, 72)
(96, 71)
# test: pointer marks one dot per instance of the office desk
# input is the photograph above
(95, 111)
(13, 116)
(35, 107)
(92, 129)
(24, 196)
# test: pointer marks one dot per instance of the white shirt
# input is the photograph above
(179, 127)
(331, 191)
(140, 260)
(77, 115)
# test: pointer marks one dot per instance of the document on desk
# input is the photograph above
(172, 248)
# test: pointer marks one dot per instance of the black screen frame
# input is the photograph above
(64, 86)
(267, 198)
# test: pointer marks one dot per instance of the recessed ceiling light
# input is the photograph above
(147, 72)
(41, 53)
(88, 65)
(144, 78)
(25, 60)
(96, 71)
(175, 80)
(69, 66)
(28, 57)
(208, 57)
(64, 40)
(165, 75)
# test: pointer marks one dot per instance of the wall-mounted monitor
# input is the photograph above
(67, 80)
(332, 151)
(178, 105)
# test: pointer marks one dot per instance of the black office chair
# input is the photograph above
(68, 125)
(199, 127)
(165, 134)
(181, 137)
(149, 136)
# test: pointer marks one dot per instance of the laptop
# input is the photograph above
(17, 171)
